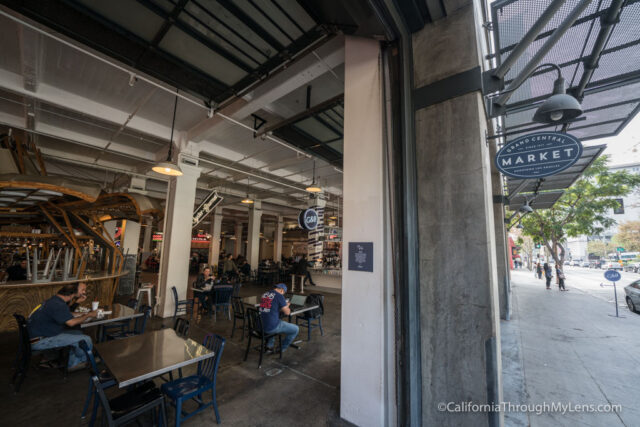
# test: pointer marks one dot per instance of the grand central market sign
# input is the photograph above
(537, 155)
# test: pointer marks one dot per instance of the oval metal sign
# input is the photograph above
(612, 275)
(537, 155)
(308, 219)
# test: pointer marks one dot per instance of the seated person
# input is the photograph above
(49, 324)
(17, 271)
(271, 305)
(205, 279)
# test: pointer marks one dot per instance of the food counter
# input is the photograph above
(23, 296)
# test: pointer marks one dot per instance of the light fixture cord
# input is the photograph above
(173, 122)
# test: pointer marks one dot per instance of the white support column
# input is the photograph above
(110, 229)
(130, 237)
(237, 247)
(253, 234)
(176, 244)
(214, 245)
(277, 240)
(366, 382)
(148, 233)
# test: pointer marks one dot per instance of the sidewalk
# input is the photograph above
(564, 347)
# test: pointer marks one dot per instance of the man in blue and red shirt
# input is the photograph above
(271, 305)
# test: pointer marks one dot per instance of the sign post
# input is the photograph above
(613, 276)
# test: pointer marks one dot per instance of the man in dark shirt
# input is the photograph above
(271, 305)
(18, 271)
(49, 324)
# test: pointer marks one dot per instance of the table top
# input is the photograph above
(145, 356)
(119, 312)
(256, 299)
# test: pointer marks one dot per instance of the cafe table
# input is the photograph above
(149, 355)
(119, 313)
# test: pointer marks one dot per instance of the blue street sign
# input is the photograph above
(612, 275)
(537, 155)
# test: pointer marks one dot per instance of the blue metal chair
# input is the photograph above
(181, 306)
(256, 330)
(23, 356)
(115, 327)
(138, 327)
(105, 379)
(222, 300)
(238, 314)
(123, 409)
(314, 315)
(193, 387)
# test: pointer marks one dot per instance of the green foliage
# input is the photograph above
(582, 209)
(628, 236)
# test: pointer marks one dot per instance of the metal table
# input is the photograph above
(119, 312)
(148, 355)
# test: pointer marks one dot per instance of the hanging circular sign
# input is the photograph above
(308, 219)
(537, 155)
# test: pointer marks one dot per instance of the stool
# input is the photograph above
(293, 283)
(147, 289)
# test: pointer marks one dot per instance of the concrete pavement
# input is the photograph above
(565, 347)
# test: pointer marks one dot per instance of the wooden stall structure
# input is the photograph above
(57, 224)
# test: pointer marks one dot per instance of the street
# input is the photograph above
(567, 347)
(588, 281)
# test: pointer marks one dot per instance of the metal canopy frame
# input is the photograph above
(598, 56)
(268, 35)
(548, 190)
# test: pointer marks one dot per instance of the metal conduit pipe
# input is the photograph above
(528, 38)
(606, 27)
(144, 79)
(542, 52)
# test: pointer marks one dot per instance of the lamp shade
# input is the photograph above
(313, 188)
(247, 200)
(559, 107)
(167, 168)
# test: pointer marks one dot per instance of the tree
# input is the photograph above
(527, 245)
(582, 209)
(600, 248)
(629, 236)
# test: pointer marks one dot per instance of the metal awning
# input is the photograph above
(551, 188)
(610, 92)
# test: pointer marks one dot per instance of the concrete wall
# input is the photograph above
(366, 344)
(458, 281)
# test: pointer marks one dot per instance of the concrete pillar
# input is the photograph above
(110, 229)
(130, 237)
(253, 234)
(148, 233)
(237, 248)
(277, 240)
(502, 266)
(214, 245)
(176, 244)
(367, 393)
(459, 318)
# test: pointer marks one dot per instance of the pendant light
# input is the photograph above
(168, 167)
(313, 188)
(247, 200)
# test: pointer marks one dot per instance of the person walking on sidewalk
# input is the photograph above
(560, 278)
(548, 274)
(538, 270)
